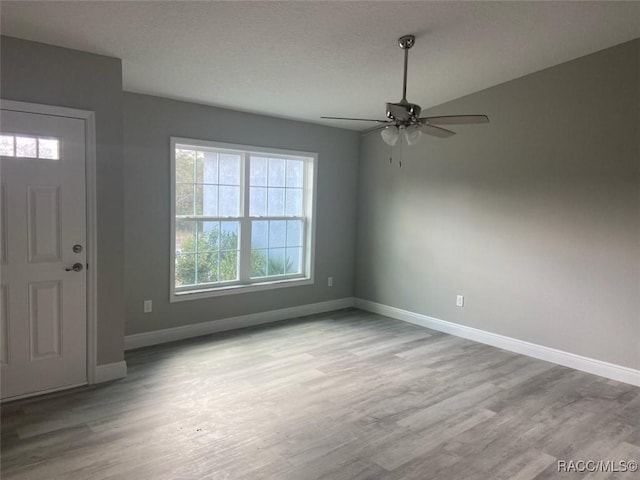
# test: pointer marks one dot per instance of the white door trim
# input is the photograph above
(89, 119)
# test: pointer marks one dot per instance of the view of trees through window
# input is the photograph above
(211, 216)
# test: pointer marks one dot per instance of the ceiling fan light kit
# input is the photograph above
(403, 117)
(390, 135)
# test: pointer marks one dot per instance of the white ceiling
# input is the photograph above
(304, 59)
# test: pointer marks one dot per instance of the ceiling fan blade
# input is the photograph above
(357, 119)
(456, 119)
(435, 131)
(371, 130)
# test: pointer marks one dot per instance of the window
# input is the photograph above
(26, 146)
(242, 218)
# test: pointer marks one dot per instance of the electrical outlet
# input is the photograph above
(330, 282)
(148, 306)
(459, 300)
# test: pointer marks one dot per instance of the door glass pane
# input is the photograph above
(49, 148)
(26, 147)
(6, 145)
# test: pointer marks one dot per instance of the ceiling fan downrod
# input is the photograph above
(406, 42)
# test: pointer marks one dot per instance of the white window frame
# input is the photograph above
(178, 294)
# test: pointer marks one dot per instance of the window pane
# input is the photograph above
(207, 200)
(258, 172)
(258, 263)
(294, 233)
(185, 269)
(26, 147)
(185, 236)
(276, 265)
(6, 145)
(295, 169)
(277, 233)
(207, 267)
(293, 256)
(257, 201)
(259, 234)
(207, 167)
(208, 236)
(275, 201)
(229, 235)
(184, 199)
(293, 203)
(229, 201)
(228, 265)
(276, 172)
(49, 148)
(229, 169)
(184, 165)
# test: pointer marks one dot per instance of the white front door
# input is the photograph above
(43, 328)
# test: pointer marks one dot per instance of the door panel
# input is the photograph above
(43, 309)
(45, 318)
(43, 223)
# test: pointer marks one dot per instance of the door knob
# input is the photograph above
(77, 267)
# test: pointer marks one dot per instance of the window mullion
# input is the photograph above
(245, 223)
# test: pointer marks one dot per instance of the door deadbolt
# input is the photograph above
(77, 248)
(77, 267)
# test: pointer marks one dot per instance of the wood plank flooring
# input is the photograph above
(346, 395)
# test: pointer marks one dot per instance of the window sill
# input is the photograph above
(234, 289)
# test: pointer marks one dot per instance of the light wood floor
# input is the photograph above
(348, 395)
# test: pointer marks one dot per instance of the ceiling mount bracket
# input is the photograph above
(406, 41)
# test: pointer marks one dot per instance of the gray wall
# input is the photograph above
(535, 218)
(148, 124)
(39, 73)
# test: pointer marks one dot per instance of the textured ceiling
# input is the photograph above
(305, 59)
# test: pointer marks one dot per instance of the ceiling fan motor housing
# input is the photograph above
(403, 112)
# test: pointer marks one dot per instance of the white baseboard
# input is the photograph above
(578, 362)
(110, 371)
(196, 330)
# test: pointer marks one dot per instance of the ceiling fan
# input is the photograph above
(405, 116)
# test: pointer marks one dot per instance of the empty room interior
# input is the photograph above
(305, 240)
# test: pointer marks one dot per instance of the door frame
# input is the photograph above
(89, 119)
